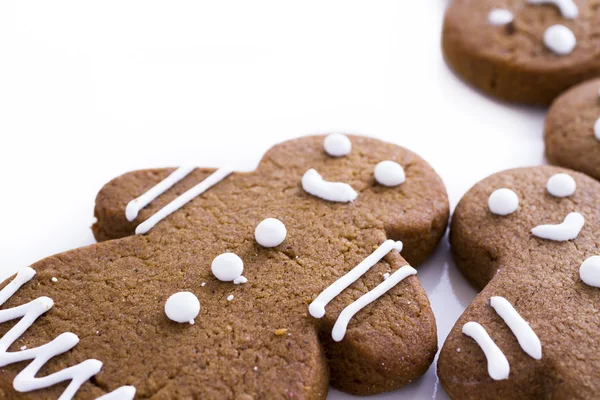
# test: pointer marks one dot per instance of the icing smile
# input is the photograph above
(567, 230)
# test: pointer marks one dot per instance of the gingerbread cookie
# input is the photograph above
(530, 239)
(224, 285)
(525, 51)
(572, 131)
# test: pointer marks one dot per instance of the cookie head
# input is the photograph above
(530, 332)
(243, 256)
(525, 51)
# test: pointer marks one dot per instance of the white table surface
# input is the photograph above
(90, 90)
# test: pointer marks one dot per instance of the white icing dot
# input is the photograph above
(597, 129)
(389, 173)
(560, 39)
(270, 233)
(589, 272)
(561, 185)
(503, 202)
(567, 8)
(203, 284)
(337, 145)
(182, 307)
(230, 297)
(54, 279)
(500, 16)
(227, 267)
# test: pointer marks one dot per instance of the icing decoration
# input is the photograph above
(317, 307)
(182, 307)
(26, 380)
(498, 366)
(239, 280)
(500, 16)
(227, 267)
(503, 202)
(54, 279)
(182, 200)
(339, 329)
(567, 230)
(270, 232)
(337, 145)
(389, 173)
(589, 272)
(528, 340)
(314, 184)
(560, 39)
(134, 206)
(122, 393)
(567, 8)
(230, 297)
(597, 129)
(561, 185)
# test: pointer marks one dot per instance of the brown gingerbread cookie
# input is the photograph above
(572, 131)
(530, 239)
(525, 51)
(261, 285)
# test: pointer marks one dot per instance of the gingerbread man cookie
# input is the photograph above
(525, 51)
(572, 131)
(224, 285)
(530, 239)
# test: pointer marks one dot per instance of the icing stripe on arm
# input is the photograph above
(317, 307)
(28, 313)
(498, 366)
(133, 208)
(528, 340)
(339, 329)
(182, 200)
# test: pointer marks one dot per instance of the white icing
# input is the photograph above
(26, 380)
(54, 279)
(389, 173)
(498, 366)
(386, 275)
(567, 8)
(314, 184)
(597, 129)
(317, 307)
(560, 39)
(567, 230)
(182, 307)
(227, 267)
(589, 272)
(339, 329)
(500, 16)
(182, 200)
(270, 232)
(122, 393)
(503, 202)
(561, 185)
(337, 145)
(528, 340)
(133, 208)
(230, 297)
(239, 280)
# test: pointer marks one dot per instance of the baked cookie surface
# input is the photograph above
(572, 129)
(258, 339)
(529, 238)
(524, 51)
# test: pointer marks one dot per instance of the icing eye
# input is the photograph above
(182, 307)
(270, 233)
(500, 16)
(561, 185)
(228, 267)
(503, 202)
(389, 173)
(560, 39)
(337, 145)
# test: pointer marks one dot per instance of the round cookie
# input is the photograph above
(521, 51)
(572, 130)
(255, 340)
(532, 332)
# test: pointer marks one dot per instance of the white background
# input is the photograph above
(90, 90)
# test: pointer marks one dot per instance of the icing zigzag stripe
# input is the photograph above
(26, 381)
